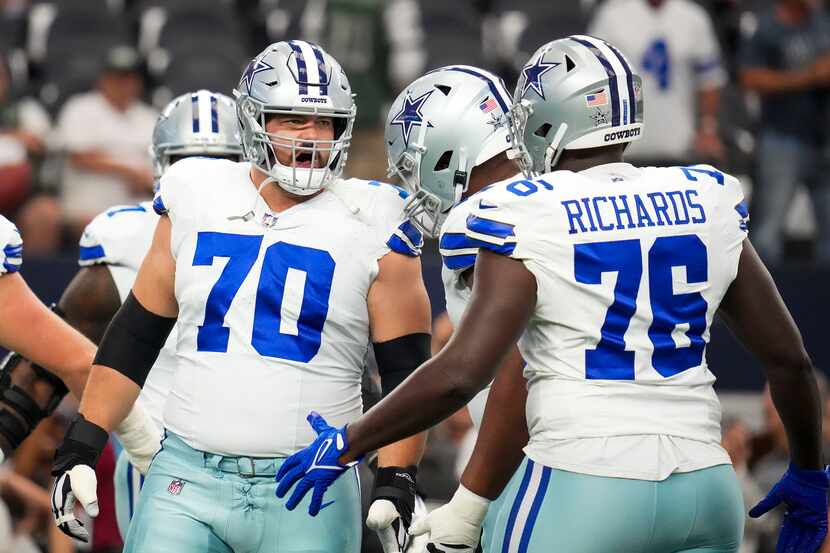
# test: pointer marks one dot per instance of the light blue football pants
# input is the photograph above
(197, 502)
(555, 511)
(128, 482)
(488, 527)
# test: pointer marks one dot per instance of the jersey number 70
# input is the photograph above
(293, 278)
(610, 360)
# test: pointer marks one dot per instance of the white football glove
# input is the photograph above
(456, 526)
(77, 483)
(393, 503)
(140, 438)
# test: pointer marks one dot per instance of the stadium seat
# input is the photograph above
(66, 40)
(454, 33)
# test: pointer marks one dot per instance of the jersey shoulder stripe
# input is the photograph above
(12, 255)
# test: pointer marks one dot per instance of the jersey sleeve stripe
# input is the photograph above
(158, 205)
(91, 253)
(459, 262)
(406, 240)
(489, 228)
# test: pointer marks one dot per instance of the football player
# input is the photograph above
(28, 392)
(448, 137)
(611, 275)
(276, 273)
(201, 123)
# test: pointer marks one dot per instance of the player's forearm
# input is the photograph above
(503, 433)
(403, 453)
(41, 336)
(770, 81)
(429, 395)
(755, 311)
(108, 397)
(795, 393)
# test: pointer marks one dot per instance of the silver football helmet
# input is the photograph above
(574, 93)
(442, 126)
(200, 123)
(300, 78)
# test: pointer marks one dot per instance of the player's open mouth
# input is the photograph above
(303, 160)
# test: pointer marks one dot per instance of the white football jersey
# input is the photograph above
(120, 238)
(273, 320)
(631, 265)
(11, 257)
(458, 254)
(676, 52)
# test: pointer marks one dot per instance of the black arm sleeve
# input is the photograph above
(398, 358)
(133, 340)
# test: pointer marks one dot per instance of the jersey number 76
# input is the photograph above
(610, 360)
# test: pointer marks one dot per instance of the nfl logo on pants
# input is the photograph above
(175, 487)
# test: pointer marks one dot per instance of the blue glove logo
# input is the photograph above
(804, 492)
(316, 466)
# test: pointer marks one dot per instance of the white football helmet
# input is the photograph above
(300, 78)
(201, 123)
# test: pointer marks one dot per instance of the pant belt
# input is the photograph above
(247, 467)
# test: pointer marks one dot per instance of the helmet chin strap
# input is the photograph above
(553, 151)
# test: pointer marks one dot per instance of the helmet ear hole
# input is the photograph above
(443, 162)
(444, 89)
(543, 130)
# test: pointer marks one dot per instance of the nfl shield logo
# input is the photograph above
(175, 487)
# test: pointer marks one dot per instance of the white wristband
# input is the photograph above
(472, 505)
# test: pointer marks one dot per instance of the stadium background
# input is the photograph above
(52, 51)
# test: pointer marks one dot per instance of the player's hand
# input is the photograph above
(393, 502)
(74, 469)
(804, 493)
(456, 526)
(317, 466)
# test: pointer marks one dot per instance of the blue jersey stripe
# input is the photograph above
(194, 106)
(612, 80)
(517, 503)
(91, 252)
(13, 251)
(490, 83)
(214, 115)
(455, 241)
(459, 262)
(629, 78)
(321, 68)
(489, 227)
(399, 246)
(302, 70)
(534, 509)
(130, 489)
(158, 205)
(412, 233)
(10, 268)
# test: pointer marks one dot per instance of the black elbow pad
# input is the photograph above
(399, 358)
(133, 340)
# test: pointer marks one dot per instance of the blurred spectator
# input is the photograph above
(106, 134)
(23, 129)
(785, 58)
(736, 442)
(40, 221)
(677, 54)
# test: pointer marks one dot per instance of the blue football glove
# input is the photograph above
(316, 466)
(804, 493)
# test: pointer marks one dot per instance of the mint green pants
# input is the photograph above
(555, 511)
(197, 502)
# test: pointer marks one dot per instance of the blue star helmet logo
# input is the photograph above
(410, 114)
(256, 66)
(533, 75)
